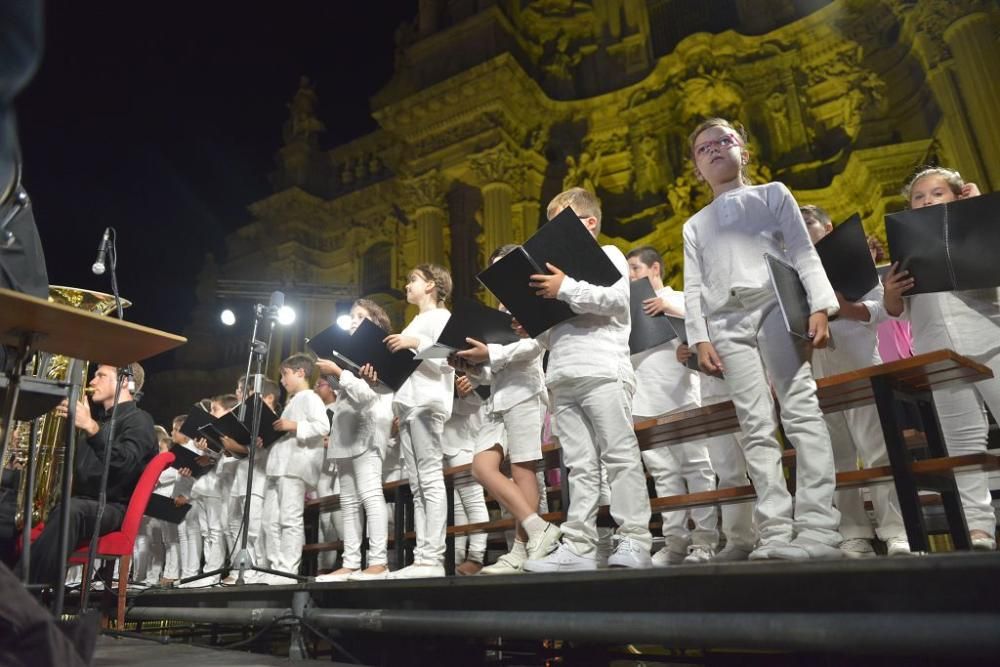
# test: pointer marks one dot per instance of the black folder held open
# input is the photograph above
(948, 247)
(563, 242)
(365, 346)
(471, 319)
(847, 260)
(185, 458)
(163, 508)
(648, 331)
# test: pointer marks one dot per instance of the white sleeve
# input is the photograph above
(314, 423)
(801, 251)
(694, 321)
(583, 297)
(357, 390)
(525, 349)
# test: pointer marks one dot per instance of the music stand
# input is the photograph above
(30, 325)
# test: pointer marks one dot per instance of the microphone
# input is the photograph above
(102, 252)
(277, 301)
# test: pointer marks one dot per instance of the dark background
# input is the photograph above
(162, 120)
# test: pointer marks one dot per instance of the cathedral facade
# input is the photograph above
(497, 105)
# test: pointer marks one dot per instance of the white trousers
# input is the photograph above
(189, 540)
(361, 487)
(212, 532)
(284, 504)
(420, 443)
(757, 352)
(680, 469)
(731, 468)
(469, 502)
(331, 523)
(235, 529)
(593, 419)
(964, 426)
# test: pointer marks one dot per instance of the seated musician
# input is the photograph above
(133, 447)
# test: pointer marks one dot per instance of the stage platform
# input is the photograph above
(942, 606)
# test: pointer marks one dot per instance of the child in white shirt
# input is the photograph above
(188, 530)
(156, 549)
(663, 386)
(293, 468)
(857, 433)
(967, 322)
(734, 323)
(422, 405)
(591, 381)
(358, 440)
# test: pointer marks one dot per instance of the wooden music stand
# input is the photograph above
(30, 324)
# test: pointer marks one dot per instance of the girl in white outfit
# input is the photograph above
(359, 437)
(422, 405)
(967, 322)
(733, 321)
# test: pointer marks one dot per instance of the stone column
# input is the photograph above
(424, 199)
(976, 56)
(499, 172)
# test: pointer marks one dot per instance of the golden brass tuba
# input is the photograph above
(50, 433)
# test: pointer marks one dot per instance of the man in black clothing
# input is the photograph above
(134, 446)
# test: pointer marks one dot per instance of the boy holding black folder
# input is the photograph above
(663, 386)
(856, 432)
(591, 382)
(967, 322)
(188, 530)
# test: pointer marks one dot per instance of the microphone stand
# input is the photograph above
(102, 498)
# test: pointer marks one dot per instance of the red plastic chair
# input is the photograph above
(119, 544)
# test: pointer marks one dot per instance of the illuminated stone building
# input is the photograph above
(496, 105)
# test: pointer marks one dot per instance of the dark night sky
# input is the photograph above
(162, 120)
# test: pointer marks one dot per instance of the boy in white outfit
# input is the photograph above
(188, 530)
(733, 321)
(156, 550)
(331, 523)
(591, 381)
(293, 467)
(967, 322)
(857, 433)
(663, 386)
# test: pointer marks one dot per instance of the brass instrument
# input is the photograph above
(50, 431)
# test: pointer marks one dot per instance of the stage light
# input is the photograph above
(344, 322)
(228, 317)
(286, 316)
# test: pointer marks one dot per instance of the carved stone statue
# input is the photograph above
(583, 174)
(303, 125)
(650, 174)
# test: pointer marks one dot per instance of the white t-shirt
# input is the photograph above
(663, 384)
(433, 383)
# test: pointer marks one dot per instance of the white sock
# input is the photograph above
(520, 549)
(534, 525)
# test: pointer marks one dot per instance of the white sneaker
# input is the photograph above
(732, 553)
(541, 545)
(361, 575)
(857, 547)
(506, 564)
(333, 576)
(698, 553)
(898, 546)
(674, 552)
(418, 571)
(563, 559)
(629, 553)
(277, 580)
(982, 541)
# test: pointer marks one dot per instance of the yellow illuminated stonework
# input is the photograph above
(490, 112)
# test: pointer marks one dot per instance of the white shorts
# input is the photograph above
(518, 431)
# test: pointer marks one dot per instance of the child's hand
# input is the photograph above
(477, 354)
(180, 501)
(204, 461)
(518, 329)
(327, 367)
(285, 425)
(547, 284)
(708, 359)
(397, 342)
(819, 329)
(683, 353)
(654, 306)
(232, 446)
(463, 386)
(201, 443)
(895, 285)
(184, 472)
(969, 190)
(368, 374)
(851, 310)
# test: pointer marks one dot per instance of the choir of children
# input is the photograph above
(594, 391)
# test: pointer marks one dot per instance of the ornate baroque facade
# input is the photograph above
(495, 106)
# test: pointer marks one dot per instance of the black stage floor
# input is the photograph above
(943, 605)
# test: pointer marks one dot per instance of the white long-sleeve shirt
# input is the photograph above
(724, 246)
(967, 322)
(433, 383)
(594, 344)
(300, 454)
(514, 372)
(165, 482)
(663, 384)
(362, 419)
(855, 344)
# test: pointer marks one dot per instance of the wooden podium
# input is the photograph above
(30, 325)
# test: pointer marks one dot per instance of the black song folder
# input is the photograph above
(792, 298)
(948, 247)
(163, 508)
(365, 346)
(648, 331)
(266, 430)
(471, 319)
(680, 330)
(185, 458)
(196, 418)
(563, 242)
(847, 260)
